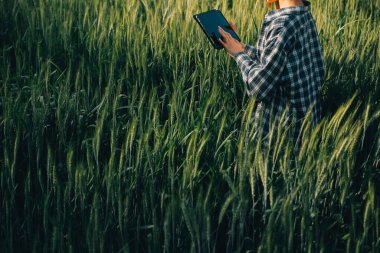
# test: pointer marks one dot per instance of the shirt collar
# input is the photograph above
(288, 11)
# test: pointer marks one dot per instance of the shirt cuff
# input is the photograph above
(241, 57)
(250, 50)
(237, 55)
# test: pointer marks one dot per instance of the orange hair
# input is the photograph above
(270, 2)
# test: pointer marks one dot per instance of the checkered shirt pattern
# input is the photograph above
(285, 71)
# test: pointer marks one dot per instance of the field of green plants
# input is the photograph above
(122, 130)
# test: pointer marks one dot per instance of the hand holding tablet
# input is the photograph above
(210, 21)
(230, 44)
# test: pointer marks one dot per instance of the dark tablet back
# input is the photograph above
(209, 22)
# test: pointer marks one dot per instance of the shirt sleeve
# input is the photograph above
(260, 76)
(251, 51)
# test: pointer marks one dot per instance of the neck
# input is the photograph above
(290, 3)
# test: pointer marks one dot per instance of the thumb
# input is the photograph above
(232, 25)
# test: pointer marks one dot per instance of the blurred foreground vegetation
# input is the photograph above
(122, 130)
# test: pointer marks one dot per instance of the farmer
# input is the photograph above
(286, 68)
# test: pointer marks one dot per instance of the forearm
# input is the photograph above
(260, 77)
(246, 64)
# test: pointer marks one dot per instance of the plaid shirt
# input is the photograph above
(286, 69)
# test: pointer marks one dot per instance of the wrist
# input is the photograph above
(236, 55)
(241, 50)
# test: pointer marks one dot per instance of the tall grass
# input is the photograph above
(123, 131)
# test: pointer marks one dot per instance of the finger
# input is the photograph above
(233, 26)
(222, 42)
(224, 33)
(221, 31)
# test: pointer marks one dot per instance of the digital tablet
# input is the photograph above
(209, 22)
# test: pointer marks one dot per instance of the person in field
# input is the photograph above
(285, 70)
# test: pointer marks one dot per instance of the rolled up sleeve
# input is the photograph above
(260, 76)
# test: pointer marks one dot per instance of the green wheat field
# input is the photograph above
(122, 130)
